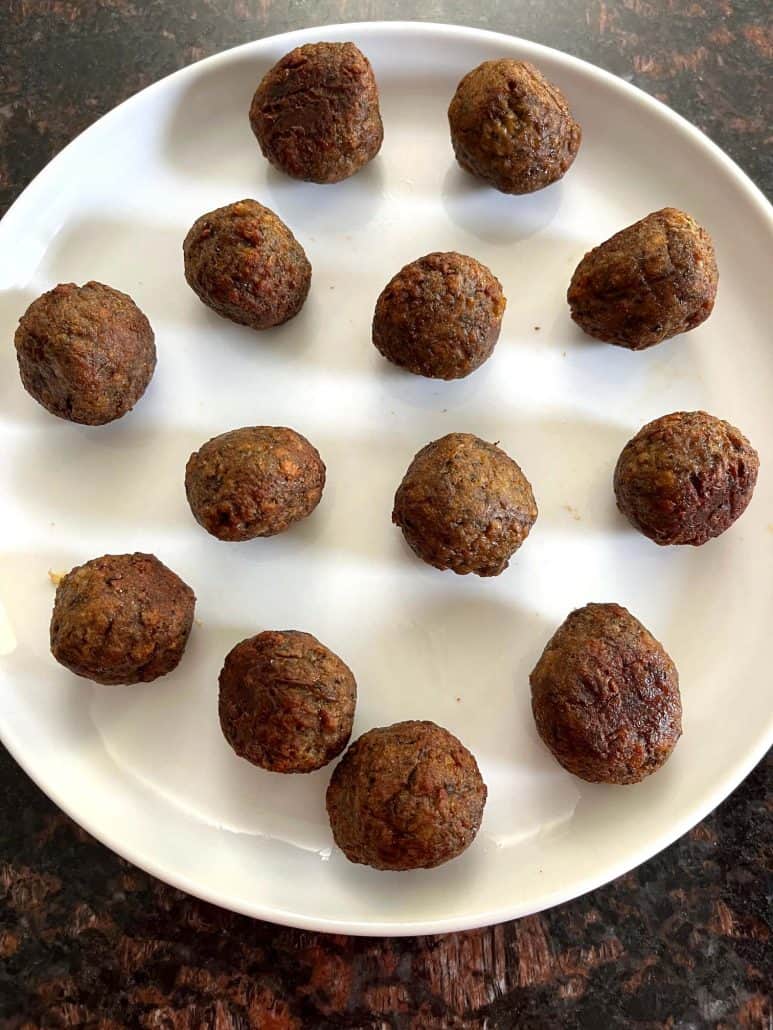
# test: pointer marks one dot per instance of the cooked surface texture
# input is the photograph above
(440, 316)
(648, 282)
(464, 505)
(512, 127)
(605, 696)
(254, 481)
(315, 114)
(286, 701)
(243, 262)
(407, 796)
(685, 478)
(121, 618)
(86, 353)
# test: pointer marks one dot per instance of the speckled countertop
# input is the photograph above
(87, 940)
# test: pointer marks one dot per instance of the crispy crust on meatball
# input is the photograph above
(685, 478)
(440, 316)
(121, 618)
(511, 127)
(407, 796)
(286, 701)
(647, 283)
(254, 482)
(605, 696)
(315, 114)
(244, 263)
(86, 353)
(464, 505)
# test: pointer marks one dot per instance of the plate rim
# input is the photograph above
(549, 898)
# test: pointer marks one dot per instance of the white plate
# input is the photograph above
(144, 768)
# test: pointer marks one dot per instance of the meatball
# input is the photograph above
(648, 282)
(685, 478)
(605, 696)
(512, 127)
(315, 113)
(86, 353)
(440, 316)
(252, 482)
(286, 702)
(464, 505)
(407, 796)
(121, 618)
(243, 262)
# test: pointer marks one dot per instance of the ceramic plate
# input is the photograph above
(144, 768)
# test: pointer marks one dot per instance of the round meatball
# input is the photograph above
(512, 127)
(648, 282)
(685, 478)
(315, 113)
(407, 796)
(605, 696)
(252, 482)
(464, 505)
(121, 618)
(86, 353)
(243, 262)
(440, 316)
(286, 702)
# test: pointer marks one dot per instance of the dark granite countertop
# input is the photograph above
(86, 939)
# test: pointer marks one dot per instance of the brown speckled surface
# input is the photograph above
(86, 940)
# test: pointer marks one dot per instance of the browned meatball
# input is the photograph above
(286, 702)
(315, 113)
(407, 796)
(252, 482)
(440, 316)
(86, 353)
(244, 263)
(648, 282)
(685, 478)
(464, 505)
(605, 696)
(512, 127)
(121, 618)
